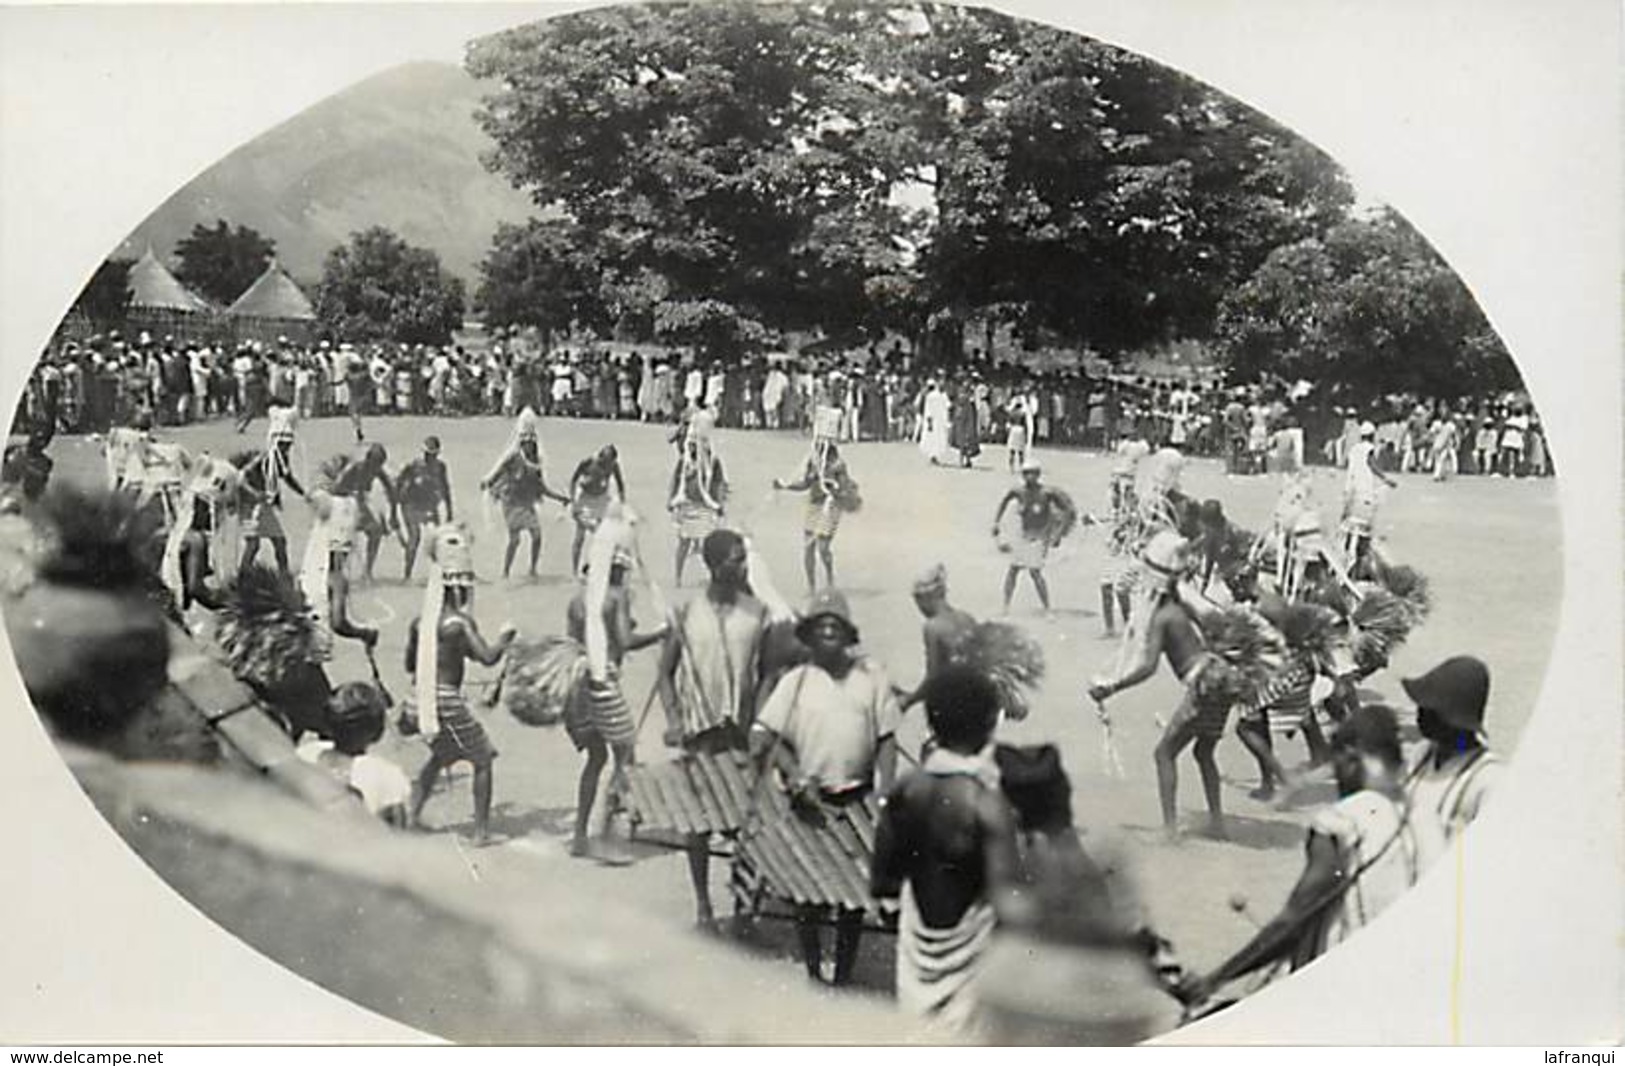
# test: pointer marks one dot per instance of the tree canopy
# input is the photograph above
(378, 287)
(732, 170)
(222, 261)
(1365, 309)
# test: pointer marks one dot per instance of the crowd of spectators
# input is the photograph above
(86, 387)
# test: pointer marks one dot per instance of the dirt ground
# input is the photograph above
(1490, 547)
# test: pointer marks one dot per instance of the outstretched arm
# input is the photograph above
(1144, 666)
(1322, 874)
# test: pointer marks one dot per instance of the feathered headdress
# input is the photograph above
(267, 628)
(1010, 658)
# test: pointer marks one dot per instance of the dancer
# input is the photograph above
(438, 644)
(1285, 705)
(589, 489)
(323, 577)
(425, 494)
(1047, 516)
(598, 720)
(1165, 624)
(263, 475)
(1125, 537)
(946, 629)
(1360, 502)
(711, 676)
(830, 491)
(519, 482)
(699, 487)
(352, 475)
(189, 546)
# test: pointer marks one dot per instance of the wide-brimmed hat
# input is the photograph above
(827, 604)
(1456, 690)
(1032, 466)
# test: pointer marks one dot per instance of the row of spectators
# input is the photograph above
(108, 381)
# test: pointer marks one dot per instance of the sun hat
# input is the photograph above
(827, 604)
(1456, 690)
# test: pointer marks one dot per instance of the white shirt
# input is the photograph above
(1370, 833)
(380, 783)
(1362, 480)
(834, 726)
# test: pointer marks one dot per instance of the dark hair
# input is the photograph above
(961, 707)
(1371, 728)
(718, 545)
(357, 717)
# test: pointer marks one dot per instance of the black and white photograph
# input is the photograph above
(831, 522)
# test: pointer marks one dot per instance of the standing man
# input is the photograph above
(1457, 770)
(425, 493)
(710, 676)
(945, 849)
(829, 727)
(354, 478)
(519, 483)
(438, 644)
(358, 387)
(830, 490)
(945, 632)
(590, 486)
(1446, 446)
(263, 475)
(1164, 625)
(1047, 515)
(1360, 501)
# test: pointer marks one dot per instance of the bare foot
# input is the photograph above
(1215, 829)
(1263, 793)
(579, 848)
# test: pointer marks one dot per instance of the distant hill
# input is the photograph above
(400, 149)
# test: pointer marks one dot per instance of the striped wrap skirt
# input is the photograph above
(822, 519)
(600, 711)
(461, 735)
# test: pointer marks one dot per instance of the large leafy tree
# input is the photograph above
(1370, 308)
(711, 149)
(852, 166)
(378, 287)
(222, 261)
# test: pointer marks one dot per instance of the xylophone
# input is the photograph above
(778, 856)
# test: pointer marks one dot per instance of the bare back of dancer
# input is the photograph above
(951, 838)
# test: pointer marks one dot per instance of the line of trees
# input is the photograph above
(720, 173)
(375, 287)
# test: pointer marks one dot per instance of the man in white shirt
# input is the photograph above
(829, 727)
(773, 390)
(1360, 500)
